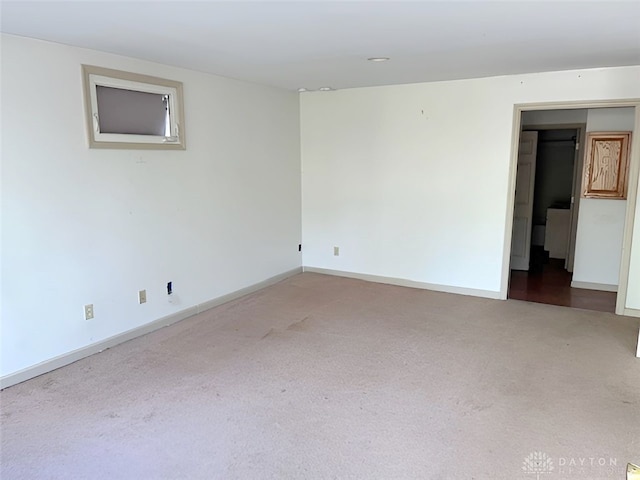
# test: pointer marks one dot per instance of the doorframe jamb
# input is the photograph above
(632, 202)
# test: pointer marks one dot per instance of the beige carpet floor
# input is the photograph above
(321, 377)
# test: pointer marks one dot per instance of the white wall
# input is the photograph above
(601, 221)
(599, 241)
(554, 117)
(412, 181)
(86, 226)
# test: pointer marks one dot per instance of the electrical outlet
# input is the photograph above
(336, 251)
(88, 311)
(142, 296)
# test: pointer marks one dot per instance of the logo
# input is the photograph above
(537, 463)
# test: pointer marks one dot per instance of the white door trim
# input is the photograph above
(632, 193)
(632, 200)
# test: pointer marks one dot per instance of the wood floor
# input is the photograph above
(551, 284)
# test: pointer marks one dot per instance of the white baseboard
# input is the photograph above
(75, 355)
(631, 312)
(604, 287)
(407, 283)
(247, 290)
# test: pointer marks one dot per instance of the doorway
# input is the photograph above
(547, 200)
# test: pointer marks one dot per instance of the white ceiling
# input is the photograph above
(318, 43)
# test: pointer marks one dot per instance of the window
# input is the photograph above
(127, 110)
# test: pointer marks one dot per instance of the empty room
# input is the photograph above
(320, 240)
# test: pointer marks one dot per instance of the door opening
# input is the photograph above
(545, 223)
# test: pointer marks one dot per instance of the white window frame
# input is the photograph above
(97, 76)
